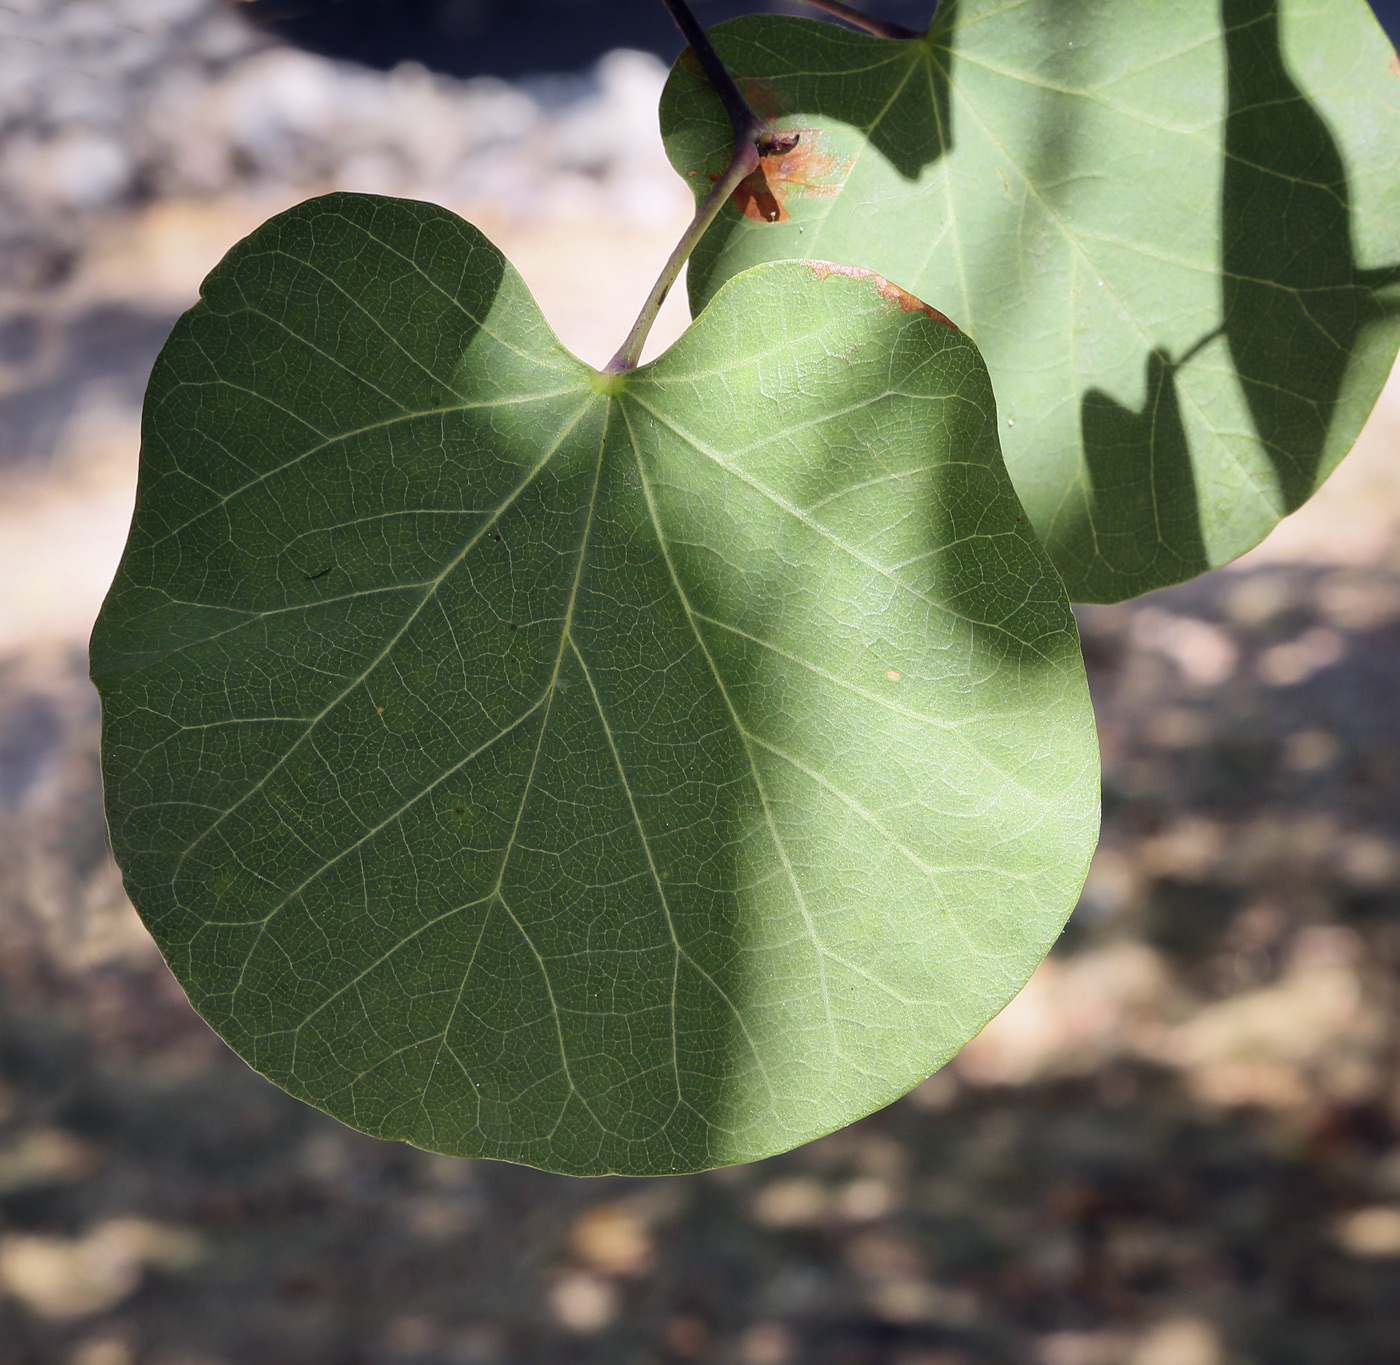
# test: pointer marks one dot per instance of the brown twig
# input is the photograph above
(881, 28)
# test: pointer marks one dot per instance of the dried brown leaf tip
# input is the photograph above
(885, 288)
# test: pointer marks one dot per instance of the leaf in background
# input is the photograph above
(1173, 231)
(623, 781)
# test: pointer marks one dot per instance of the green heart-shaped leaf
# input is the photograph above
(632, 774)
(1174, 232)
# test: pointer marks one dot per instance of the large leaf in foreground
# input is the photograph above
(1173, 230)
(630, 781)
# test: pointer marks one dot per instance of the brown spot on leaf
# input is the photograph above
(807, 166)
(762, 98)
(1395, 66)
(755, 199)
(885, 288)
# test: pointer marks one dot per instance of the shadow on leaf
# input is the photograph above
(1295, 302)
(1139, 468)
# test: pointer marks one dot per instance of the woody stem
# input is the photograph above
(881, 28)
(748, 126)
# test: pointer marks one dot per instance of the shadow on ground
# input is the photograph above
(1181, 1145)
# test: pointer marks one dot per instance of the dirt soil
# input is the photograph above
(1179, 1146)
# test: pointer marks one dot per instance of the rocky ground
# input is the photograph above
(1179, 1146)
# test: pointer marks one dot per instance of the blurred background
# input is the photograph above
(1179, 1146)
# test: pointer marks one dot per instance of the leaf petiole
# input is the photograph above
(754, 138)
(744, 162)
